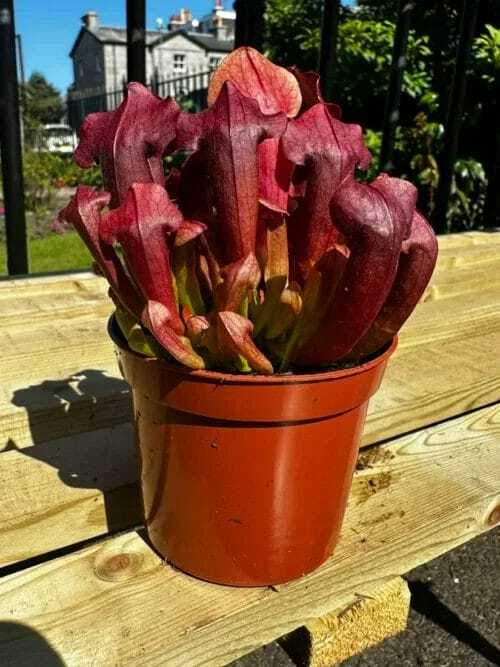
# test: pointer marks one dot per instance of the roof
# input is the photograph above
(207, 42)
(111, 35)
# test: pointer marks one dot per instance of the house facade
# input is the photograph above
(185, 49)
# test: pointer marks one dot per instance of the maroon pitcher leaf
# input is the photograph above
(310, 89)
(84, 213)
(157, 318)
(273, 87)
(142, 225)
(330, 150)
(374, 226)
(238, 280)
(234, 336)
(275, 176)
(416, 264)
(193, 190)
(227, 135)
(129, 143)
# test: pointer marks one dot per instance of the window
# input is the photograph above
(179, 62)
(97, 64)
(213, 61)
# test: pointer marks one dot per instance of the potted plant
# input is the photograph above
(259, 289)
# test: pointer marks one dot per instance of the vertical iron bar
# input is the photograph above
(256, 26)
(491, 217)
(10, 141)
(249, 29)
(328, 48)
(454, 114)
(393, 99)
(22, 90)
(241, 25)
(136, 41)
(21, 58)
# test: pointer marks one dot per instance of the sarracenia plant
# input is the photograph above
(262, 252)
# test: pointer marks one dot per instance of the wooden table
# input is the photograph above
(80, 582)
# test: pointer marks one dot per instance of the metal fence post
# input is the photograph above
(136, 41)
(249, 29)
(491, 216)
(241, 25)
(393, 100)
(454, 114)
(10, 140)
(328, 48)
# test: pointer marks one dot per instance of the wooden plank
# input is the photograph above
(468, 239)
(116, 603)
(454, 282)
(55, 281)
(473, 256)
(449, 341)
(435, 381)
(43, 309)
(76, 337)
(335, 637)
(64, 492)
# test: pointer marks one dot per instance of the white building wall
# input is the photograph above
(164, 57)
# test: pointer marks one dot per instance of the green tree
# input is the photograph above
(364, 57)
(291, 32)
(42, 102)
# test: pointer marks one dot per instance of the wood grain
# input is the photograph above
(331, 639)
(61, 380)
(59, 493)
(116, 603)
(452, 339)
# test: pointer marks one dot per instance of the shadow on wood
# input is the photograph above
(36, 650)
(84, 461)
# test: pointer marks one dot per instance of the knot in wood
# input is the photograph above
(493, 517)
(118, 567)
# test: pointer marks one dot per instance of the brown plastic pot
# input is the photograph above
(245, 478)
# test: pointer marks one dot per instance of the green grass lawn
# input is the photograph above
(56, 252)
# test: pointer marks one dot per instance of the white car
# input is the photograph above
(57, 138)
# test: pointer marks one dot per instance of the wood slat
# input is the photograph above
(56, 282)
(116, 603)
(67, 491)
(427, 381)
(350, 630)
(449, 341)
(465, 239)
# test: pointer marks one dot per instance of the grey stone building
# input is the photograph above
(186, 49)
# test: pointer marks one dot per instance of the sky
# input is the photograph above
(48, 29)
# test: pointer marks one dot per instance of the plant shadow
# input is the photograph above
(81, 426)
(21, 645)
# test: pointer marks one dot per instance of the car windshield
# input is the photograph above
(59, 132)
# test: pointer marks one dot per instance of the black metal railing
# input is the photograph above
(189, 88)
(193, 86)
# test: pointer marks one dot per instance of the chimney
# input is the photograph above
(218, 4)
(91, 20)
(219, 29)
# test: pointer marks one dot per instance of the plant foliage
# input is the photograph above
(263, 251)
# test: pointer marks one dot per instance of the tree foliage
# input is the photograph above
(364, 57)
(292, 32)
(42, 102)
